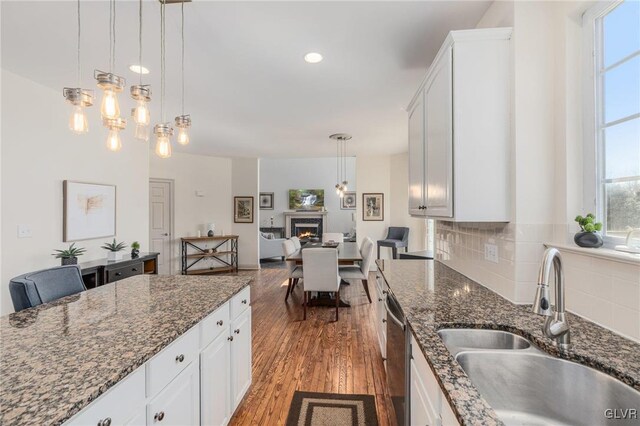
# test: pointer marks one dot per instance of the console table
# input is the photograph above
(196, 249)
(102, 271)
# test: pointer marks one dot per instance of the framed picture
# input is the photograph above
(348, 201)
(266, 201)
(89, 211)
(243, 209)
(373, 206)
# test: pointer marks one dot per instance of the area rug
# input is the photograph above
(331, 409)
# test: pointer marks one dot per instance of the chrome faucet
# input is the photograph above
(555, 326)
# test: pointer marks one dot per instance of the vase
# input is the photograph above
(588, 239)
(135, 253)
(69, 261)
(114, 255)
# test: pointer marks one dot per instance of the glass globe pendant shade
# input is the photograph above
(142, 132)
(141, 114)
(163, 133)
(183, 136)
(78, 123)
(344, 186)
(110, 108)
(111, 85)
(114, 143)
(183, 123)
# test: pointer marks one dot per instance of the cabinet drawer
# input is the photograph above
(123, 272)
(167, 364)
(119, 404)
(213, 325)
(240, 302)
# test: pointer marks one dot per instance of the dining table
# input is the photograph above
(348, 254)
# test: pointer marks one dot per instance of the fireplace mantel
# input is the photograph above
(291, 215)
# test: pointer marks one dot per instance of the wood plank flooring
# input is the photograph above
(316, 355)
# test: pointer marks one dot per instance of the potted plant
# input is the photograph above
(114, 250)
(70, 255)
(135, 249)
(588, 235)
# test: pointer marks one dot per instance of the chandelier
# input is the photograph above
(341, 162)
(141, 93)
(183, 121)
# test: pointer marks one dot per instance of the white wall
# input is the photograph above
(373, 175)
(245, 180)
(38, 153)
(399, 203)
(191, 173)
(281, 175)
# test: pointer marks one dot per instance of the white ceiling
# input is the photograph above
(249, 91)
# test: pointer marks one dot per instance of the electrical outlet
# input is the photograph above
(491, 253)
(24, 231)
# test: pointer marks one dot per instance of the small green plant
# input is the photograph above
(114, 246)
(69, 253)
(135, 245)
(588, 223)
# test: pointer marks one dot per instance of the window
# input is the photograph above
(614, 39)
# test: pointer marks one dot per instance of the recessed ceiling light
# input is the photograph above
(313, 57)
(139, 69)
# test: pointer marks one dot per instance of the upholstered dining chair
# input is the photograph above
(47, 285)
(333, 236)
(397, 237)
(320, 273)
(296, 243)
(360, 272)
(295, 272)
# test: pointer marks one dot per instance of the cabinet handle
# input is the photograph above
(118, 274)
(220, 322)
(159, 416)
(180, 358)
(230, 338)
(244, 301)
(237, 331)
(384, 320)
(380, 299)
(385, 292)
(105, 422)
(134, 269)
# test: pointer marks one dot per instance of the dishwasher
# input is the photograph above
(397, 359)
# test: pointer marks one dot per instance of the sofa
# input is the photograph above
(270, 246)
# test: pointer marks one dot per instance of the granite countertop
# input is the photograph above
(434, 296)
(58, 357)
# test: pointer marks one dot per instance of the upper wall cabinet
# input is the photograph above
(459, 131)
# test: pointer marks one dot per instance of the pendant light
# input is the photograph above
(110, 83)
(183, 122)
(163, 130)
(78, 97)
(141, 93)
(341, 162)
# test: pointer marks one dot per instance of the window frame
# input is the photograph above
(593, 113)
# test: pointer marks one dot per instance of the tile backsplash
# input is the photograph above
(604, 291)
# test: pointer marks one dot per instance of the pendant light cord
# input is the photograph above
(140, 39)
(162, 59)
(79, 71)
(182, 11)
(112, 35)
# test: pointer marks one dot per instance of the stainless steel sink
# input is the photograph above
(528, 388)
(461, 339)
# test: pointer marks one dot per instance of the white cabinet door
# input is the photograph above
(139, 418)
(215, 381)
(439, 139)
(421, 410)
(179, 403)
(416, 158)
(240, 358)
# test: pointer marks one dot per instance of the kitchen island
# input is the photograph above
(434, 296)
(58, 358)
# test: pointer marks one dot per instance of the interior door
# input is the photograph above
(439, 151)
(160, 223)
(416, 156)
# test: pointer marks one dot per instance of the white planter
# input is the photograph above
(114, 255)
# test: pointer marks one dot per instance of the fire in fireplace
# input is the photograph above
(306, 230)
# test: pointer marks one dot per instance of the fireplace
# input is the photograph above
(309, 224)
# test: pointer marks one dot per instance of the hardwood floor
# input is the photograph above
(316, 355)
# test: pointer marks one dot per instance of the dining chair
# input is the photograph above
(338, 237)
(296, 243)
(47, 285)
(360, 272)
(320, 273)
(295, 272)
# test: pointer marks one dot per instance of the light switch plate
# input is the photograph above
(24, 231)
(491, 253)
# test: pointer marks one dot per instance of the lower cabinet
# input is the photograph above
(429, 407)
(381, 316)
(200, 378)
(240, 358)
(178, 404)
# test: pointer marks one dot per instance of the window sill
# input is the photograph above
(602, 253)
